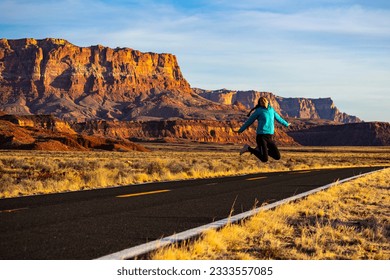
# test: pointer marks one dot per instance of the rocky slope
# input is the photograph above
(53, 76)
(307, 108)
(49, 133)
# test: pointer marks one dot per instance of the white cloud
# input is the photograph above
(352, 20)
(294, 50)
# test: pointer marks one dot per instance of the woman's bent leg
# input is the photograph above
(273, 150)
(261, 152)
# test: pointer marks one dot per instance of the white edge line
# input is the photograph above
(154, 245)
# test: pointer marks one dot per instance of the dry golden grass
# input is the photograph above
(347, 221)
(40, 172)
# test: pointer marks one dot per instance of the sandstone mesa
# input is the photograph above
(126, 94)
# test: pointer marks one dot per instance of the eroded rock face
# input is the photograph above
(48, 133)
(126, 94)
(179, 130)
(305, 108)
(53, 76)
(45, 122)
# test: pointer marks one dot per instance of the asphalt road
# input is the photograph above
(91, 224)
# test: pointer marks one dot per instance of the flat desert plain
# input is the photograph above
(42, 172)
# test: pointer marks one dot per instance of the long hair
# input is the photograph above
(262, 102)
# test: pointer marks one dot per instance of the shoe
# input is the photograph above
(244, 149)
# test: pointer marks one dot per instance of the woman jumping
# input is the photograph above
(265, 116)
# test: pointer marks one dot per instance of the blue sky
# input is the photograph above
(293, 48)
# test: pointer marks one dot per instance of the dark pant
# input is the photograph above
(265, 146)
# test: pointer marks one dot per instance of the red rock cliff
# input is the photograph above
(178, 130)
(53, 76)
(305, 108)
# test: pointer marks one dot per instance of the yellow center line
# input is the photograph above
(12, 210)
(142, 193)
(256, 178)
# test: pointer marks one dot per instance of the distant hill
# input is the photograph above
(308, 108)
(354, 134)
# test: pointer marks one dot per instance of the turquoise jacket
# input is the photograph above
(265, 118)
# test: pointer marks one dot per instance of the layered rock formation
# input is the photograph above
(53, 76)
(307, 108)
(45, 122)
(355, 134)
(126, 94)
(310, 108)
(49, 133)
(178, 131)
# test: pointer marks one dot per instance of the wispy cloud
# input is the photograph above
(294, 48)
(349, 21)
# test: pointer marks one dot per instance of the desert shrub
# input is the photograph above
(156, 167)
(175, 166)
(79, 164)
(6, 182)
(15, 163)
(140, 165)
(141, 178)
(218, 167)
(95, 177)
(44, 165)
(116, 164)
(33, 186)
